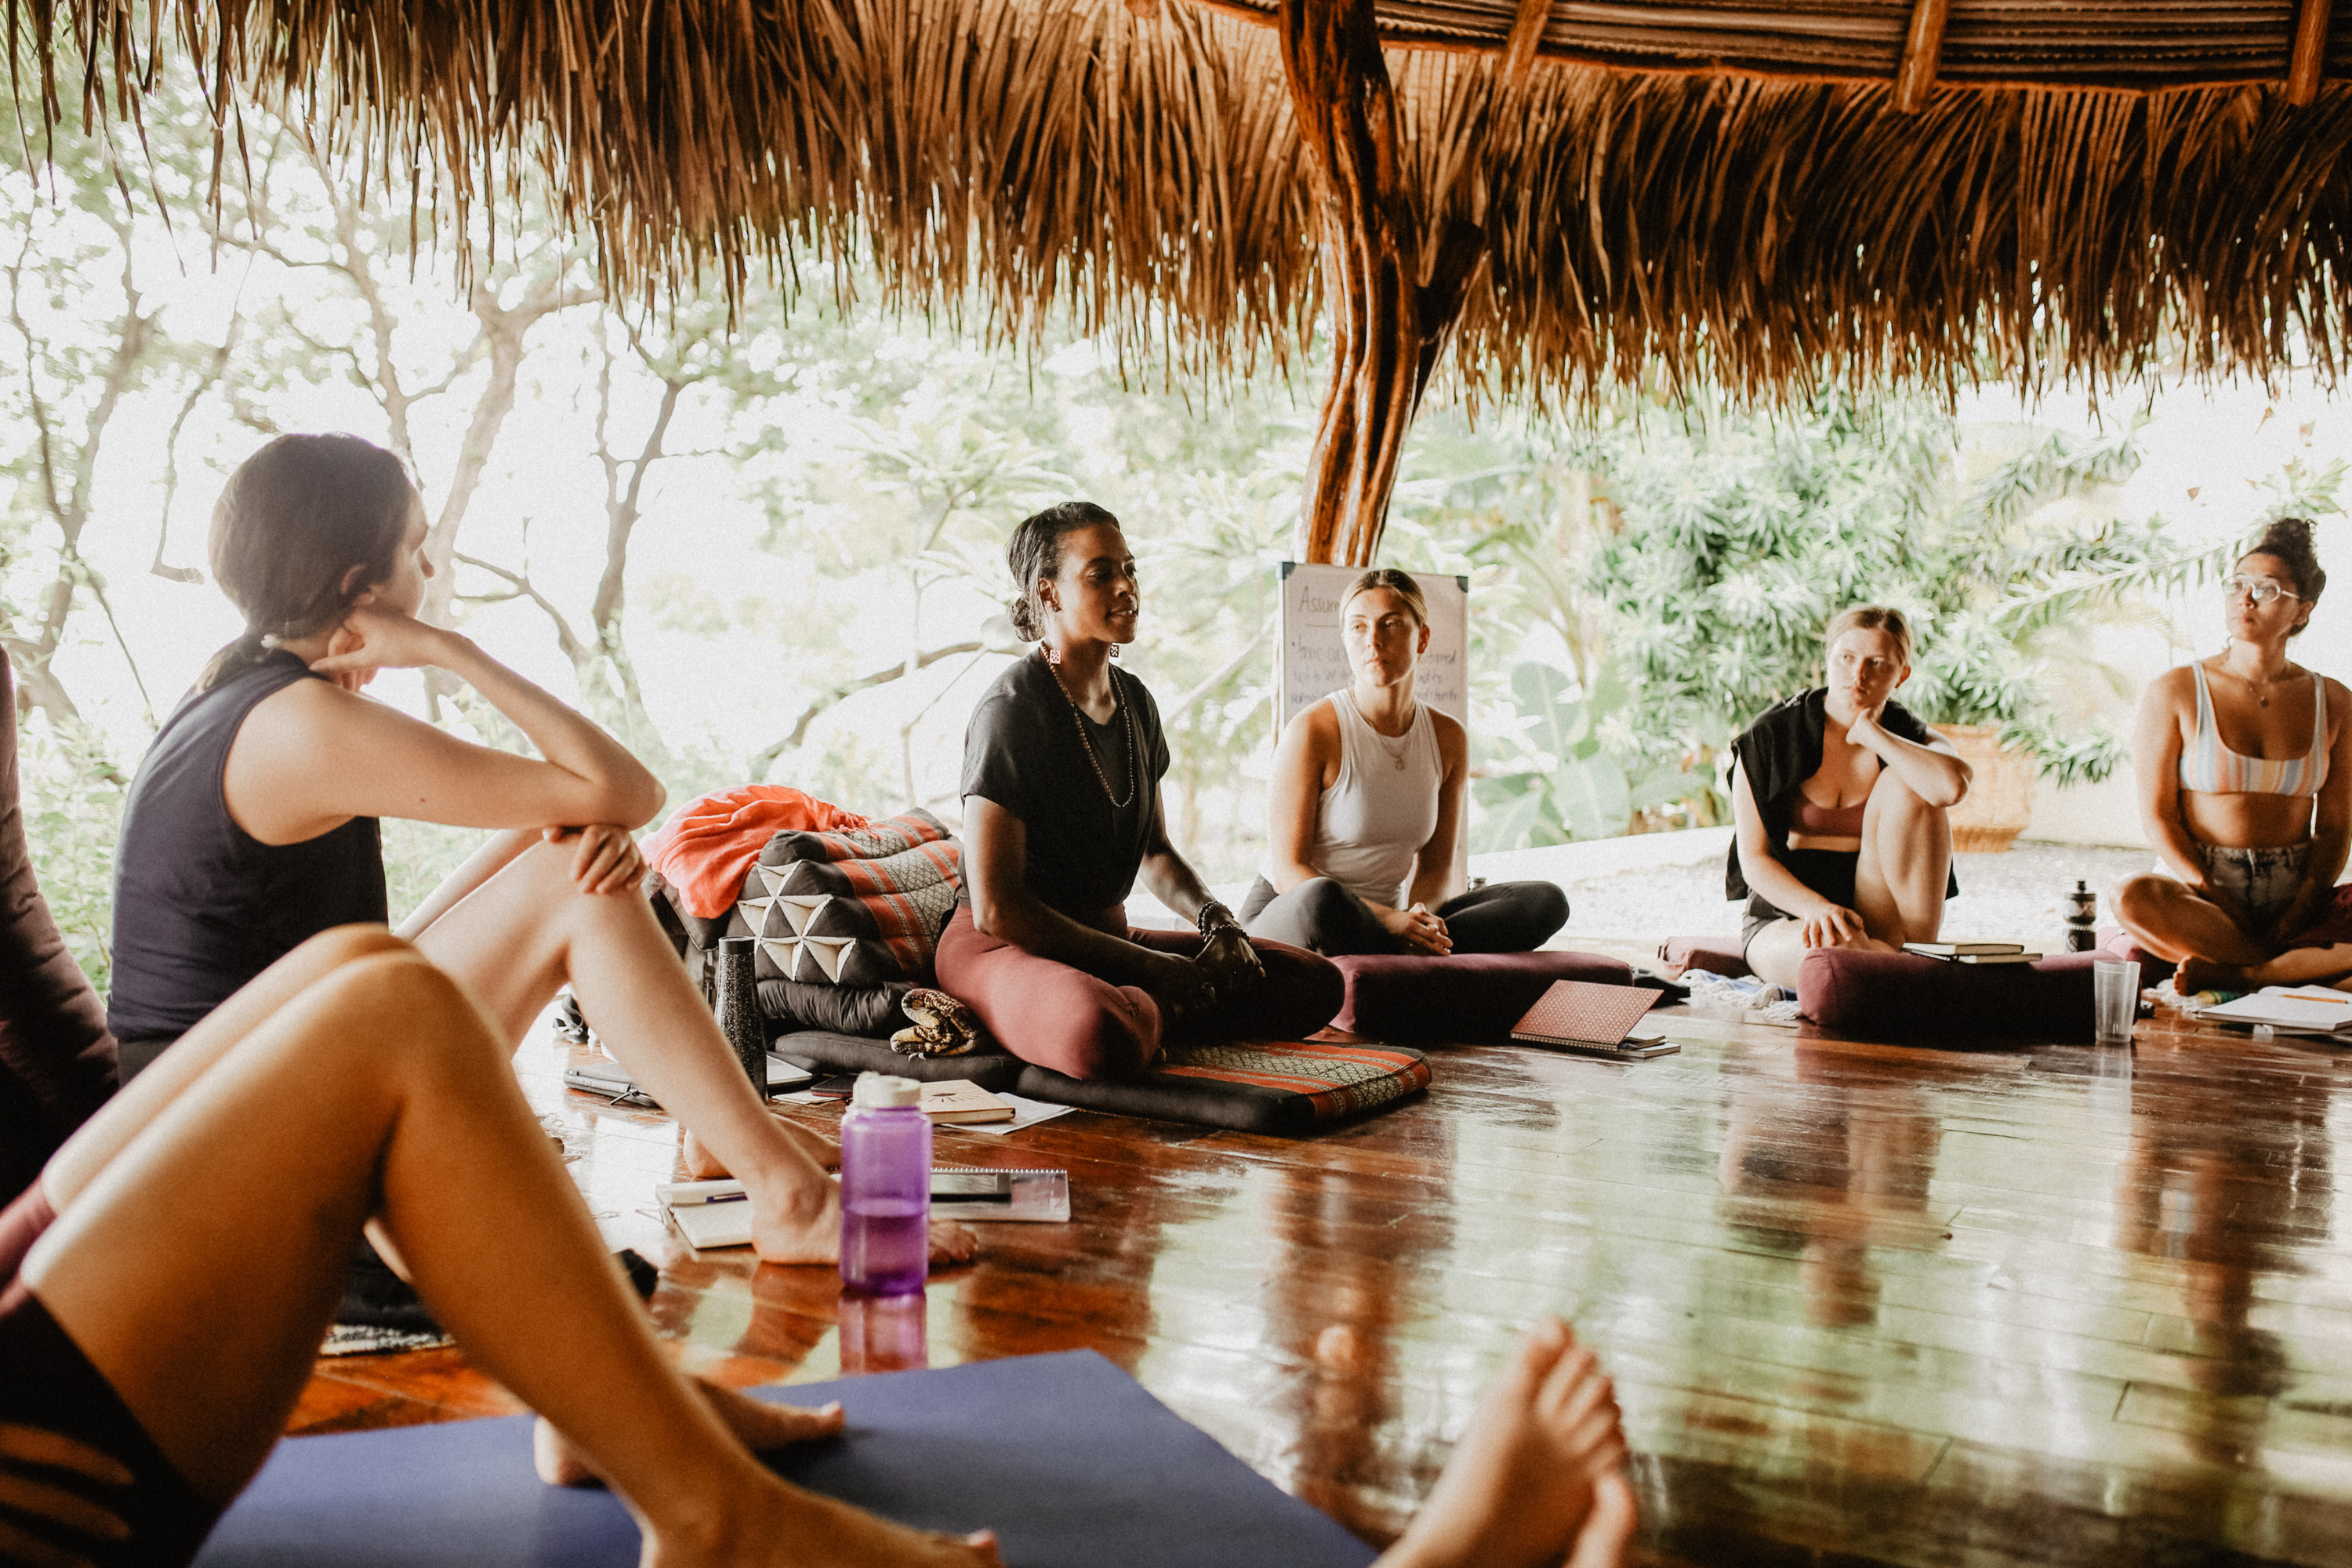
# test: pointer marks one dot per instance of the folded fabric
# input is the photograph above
(943, 1027)
(705, 849)
(864, 841)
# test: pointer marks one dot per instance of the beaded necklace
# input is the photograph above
(1134, 767)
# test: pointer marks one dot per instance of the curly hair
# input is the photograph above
(2288, 539)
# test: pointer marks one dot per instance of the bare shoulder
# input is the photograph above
(1318, 729)
(2340, 698)
(2170, 689)
(1453, 737)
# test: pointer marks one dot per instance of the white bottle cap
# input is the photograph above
(883, 1091)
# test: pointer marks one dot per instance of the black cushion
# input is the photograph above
(1289, 1087)
(826, 1052)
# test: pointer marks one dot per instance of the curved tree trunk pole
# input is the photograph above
(1345, 114)
(1389, 314)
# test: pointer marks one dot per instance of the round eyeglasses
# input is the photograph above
(2254, 590)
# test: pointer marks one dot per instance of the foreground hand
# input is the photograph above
(607, 860)
(1233, 965)
(1419, 930)
(1182, 986)
(372, 638)
(1865, 731)
(1836, 926)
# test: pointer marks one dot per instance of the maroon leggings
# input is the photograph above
(1046, 1011)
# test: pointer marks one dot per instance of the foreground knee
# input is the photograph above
(2136, 899)
(397, 1001)
(340, 946)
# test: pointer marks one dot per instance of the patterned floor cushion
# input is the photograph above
(1287, 1086)
(1462, 998)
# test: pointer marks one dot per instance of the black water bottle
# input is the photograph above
(2081, 919)
(735, 998)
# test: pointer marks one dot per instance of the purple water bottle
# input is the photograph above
(886, 1188)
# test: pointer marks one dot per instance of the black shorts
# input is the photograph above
(1828, 872)
(50, 1384)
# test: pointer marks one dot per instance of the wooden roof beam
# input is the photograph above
(2309, 59)
(1923, 52)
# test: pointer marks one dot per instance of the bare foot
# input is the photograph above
(761, 1427)
(2195, 975)
(1609, 1529)
(790, 1234)
(702, 1166)
(1522, 1482)
(780, 1526)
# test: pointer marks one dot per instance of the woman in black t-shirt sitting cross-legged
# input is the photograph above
(1062, 765)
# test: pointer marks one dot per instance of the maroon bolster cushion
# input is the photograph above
(1716, 954)
(1899, 996)
(1464, 996)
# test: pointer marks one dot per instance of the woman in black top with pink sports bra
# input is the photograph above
(1838, 798)
(252, 824)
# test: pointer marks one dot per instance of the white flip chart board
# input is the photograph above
(1311, 663)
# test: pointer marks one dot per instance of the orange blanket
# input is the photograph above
(708, 848)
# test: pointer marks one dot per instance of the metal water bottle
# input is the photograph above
(2081, 919)
(735, 998)
(886, 1188)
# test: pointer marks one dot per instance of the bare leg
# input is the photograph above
(1907, 863)
(1522, 1485)
(2295, 966)
(1779, 950)
(528, 930)
(2164, 917)
(195, 1262)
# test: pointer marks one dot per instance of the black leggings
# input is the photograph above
(1321, 915)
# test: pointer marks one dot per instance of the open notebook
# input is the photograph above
(715, 1213)
(2298, 1009)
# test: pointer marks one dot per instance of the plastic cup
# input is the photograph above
(2114, 999)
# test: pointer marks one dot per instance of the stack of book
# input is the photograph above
(1972, 952)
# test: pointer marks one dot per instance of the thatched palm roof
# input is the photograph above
(2084, 184)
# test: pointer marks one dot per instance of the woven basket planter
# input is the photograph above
(2000, 801)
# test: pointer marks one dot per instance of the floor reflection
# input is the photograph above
(2228, 1186)
(1828, 1153)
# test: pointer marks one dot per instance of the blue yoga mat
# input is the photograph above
(1065, 1456)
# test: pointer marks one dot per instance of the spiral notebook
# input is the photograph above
(715, 1213)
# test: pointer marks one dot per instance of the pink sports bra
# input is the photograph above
(1827, 821)
(2210, 767)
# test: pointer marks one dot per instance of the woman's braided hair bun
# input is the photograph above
(1034, 555)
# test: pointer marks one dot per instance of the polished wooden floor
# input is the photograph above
(1863, 1304)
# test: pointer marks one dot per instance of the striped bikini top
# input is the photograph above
(2210, 767)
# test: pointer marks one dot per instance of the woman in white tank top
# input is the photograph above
(1365, 808)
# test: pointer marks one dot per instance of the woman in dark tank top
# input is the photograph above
(252, 824)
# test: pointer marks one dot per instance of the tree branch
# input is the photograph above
(766, 757)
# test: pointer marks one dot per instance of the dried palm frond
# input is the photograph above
(1142, 178)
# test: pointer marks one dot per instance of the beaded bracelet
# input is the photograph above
(1213, 913)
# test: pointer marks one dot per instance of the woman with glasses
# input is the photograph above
(2246, 791)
